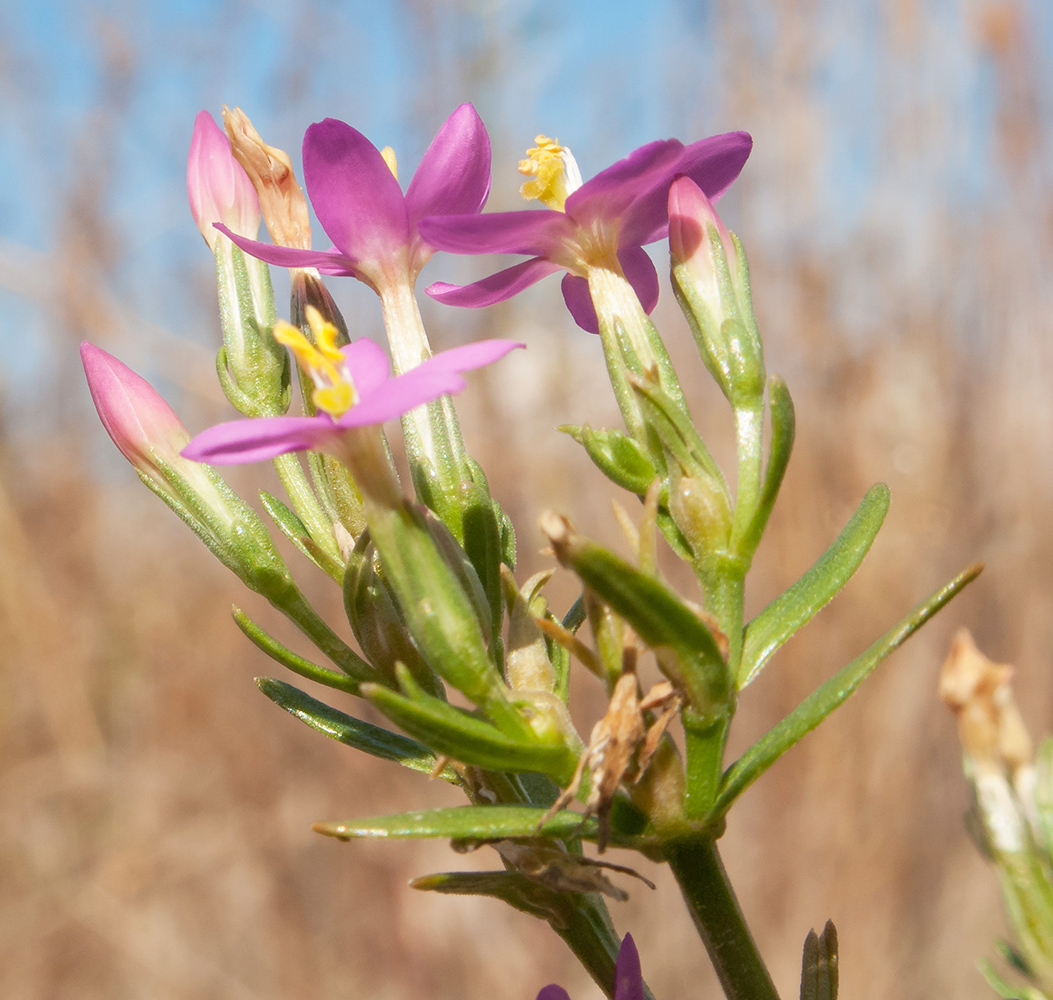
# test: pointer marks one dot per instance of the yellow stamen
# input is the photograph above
(389, 158)
(546, 166)
(334, 391)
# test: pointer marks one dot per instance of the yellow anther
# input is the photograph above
(334, 391)
(548, 164)
(389, 158)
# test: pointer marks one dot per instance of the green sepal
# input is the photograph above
(657, 615)
(364, 736)
(296, 531)
(819, 972)
(828, 696)
(465, 737)
(287, 658)
(816, 588)
(783, 427)
(481, 527)
(619, 457)
(468, 823)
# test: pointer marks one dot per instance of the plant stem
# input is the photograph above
(719, 920)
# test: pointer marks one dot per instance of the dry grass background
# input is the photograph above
(155, 809)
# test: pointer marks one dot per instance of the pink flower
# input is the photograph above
(605, 222)
(353, 388)
(361, 206)
(628, 979)
(218, 187)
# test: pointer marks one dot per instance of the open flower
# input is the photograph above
(218, 187)
(603, 223)
(353, 388)
(356, 195)
(628, 980)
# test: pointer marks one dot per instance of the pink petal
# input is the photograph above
(534, 232)
(553, 992)
(495, 288)
(368, 364)
(611, 191)
(430, 380)
(454, 176)
(217, 186)
(255, 440)
(579, 301)
(711, 163)
(355, 196)
(327, 261)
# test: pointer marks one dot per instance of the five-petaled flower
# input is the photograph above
(628, 979)
(603, 223)
(356, 195)
(353, 388)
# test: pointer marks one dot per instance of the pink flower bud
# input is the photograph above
(138, 420)
(217, 185)
(691, 214)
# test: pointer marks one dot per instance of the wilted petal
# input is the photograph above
(259, 439)
(495, 288)
(639, 271)
(529, 232)
(611, 191)
(327, 261)
(356, 197)
(454, 176)
(713, 164)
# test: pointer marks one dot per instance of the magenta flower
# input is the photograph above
(628, 980)
(353, 388)
(218, 187)
(358, 200)
(605, 222)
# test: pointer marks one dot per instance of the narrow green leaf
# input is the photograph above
(813, 591)
(828, 696)
(296, 531)
(466, 822)
(455, 733)
(783, 428)
(1002, 987)
(616, 455)
(511, 887)
(287, 658)
(354, 732)
(659, 617)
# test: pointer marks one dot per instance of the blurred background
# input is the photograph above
(155, 809)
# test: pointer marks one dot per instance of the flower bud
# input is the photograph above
(142, 425)
(711, 281)
(217, 185)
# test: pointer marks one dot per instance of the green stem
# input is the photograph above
(719, 920)
(306, 504)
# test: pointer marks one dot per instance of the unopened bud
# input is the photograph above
(217, 186)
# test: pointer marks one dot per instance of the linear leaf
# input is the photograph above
(828, 696)
(364, 736)
(813, 591)
(474, 822)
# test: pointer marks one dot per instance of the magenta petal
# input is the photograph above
(579, 301)
(611, 191)
(258, 439)
(495, 288)
(355, 196)
(641, 274)
(628, 979)
(711, 163)
(553, 992)
(534, 232)
(327, 261)
(454, 176)
(368, 365)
